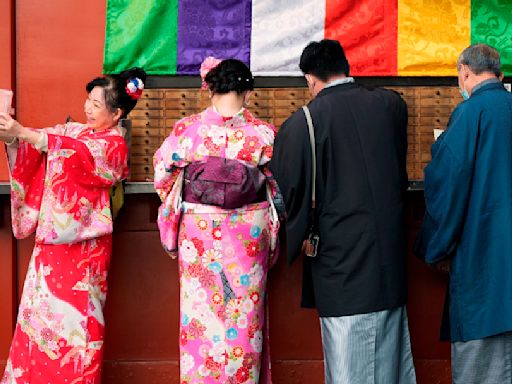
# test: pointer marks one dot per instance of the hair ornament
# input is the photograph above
(134, 87)
(206, 66)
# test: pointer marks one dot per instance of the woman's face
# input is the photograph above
(99, 117)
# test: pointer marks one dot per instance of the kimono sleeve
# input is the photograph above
(274, 192)
(269, 134)
(12, 150)
(291, 167)
(447, 188)
(98, 162)
(27, 186)
(28, 173)
(277, 211)
(59, 129)
(167, 161)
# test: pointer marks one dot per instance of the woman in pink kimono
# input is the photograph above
(219, 212)
(60, 181)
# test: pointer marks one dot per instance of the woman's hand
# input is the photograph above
(172, 254)
(10, 129)
(5, 137)
(9, 126)
(6, 127)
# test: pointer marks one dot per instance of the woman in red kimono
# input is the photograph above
(60, 181)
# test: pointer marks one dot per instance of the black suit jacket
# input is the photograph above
(361, 147)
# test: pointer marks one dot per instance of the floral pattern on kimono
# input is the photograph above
(224, 255)
(62, 196)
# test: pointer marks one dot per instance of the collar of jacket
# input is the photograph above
(336, 88)
(488, 85)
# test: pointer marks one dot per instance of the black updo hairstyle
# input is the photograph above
(230, 75)
(114, 87)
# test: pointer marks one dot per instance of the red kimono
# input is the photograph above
(63, 195)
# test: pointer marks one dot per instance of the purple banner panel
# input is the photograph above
(219, 28)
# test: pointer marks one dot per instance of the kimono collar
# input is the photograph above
(115, 130)
(215, 115)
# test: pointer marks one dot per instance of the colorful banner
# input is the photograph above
(431, 35)
(212, 28)
(380, 37)
(141, 33)
(280, 31)
(491, 23)
(367, 31)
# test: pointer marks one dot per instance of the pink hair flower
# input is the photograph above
(206, 66)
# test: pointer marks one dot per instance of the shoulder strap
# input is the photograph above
(313, 153)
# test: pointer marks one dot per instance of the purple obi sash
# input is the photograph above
(223, 182)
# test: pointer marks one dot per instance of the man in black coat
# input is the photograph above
(357, 280)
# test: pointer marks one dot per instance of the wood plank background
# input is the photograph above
(153, 118)
(142, 311)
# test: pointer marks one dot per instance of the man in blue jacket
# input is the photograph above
(468, 221)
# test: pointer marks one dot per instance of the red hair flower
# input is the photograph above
(134, 88)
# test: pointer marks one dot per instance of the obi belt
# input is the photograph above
(226, 183)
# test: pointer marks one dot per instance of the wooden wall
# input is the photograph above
(153, 118)
(6, 62)
(8, 300)
(142, 311)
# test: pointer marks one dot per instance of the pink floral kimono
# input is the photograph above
(63, 195)
(224, 253)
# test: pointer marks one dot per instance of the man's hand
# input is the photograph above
(443, 266)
